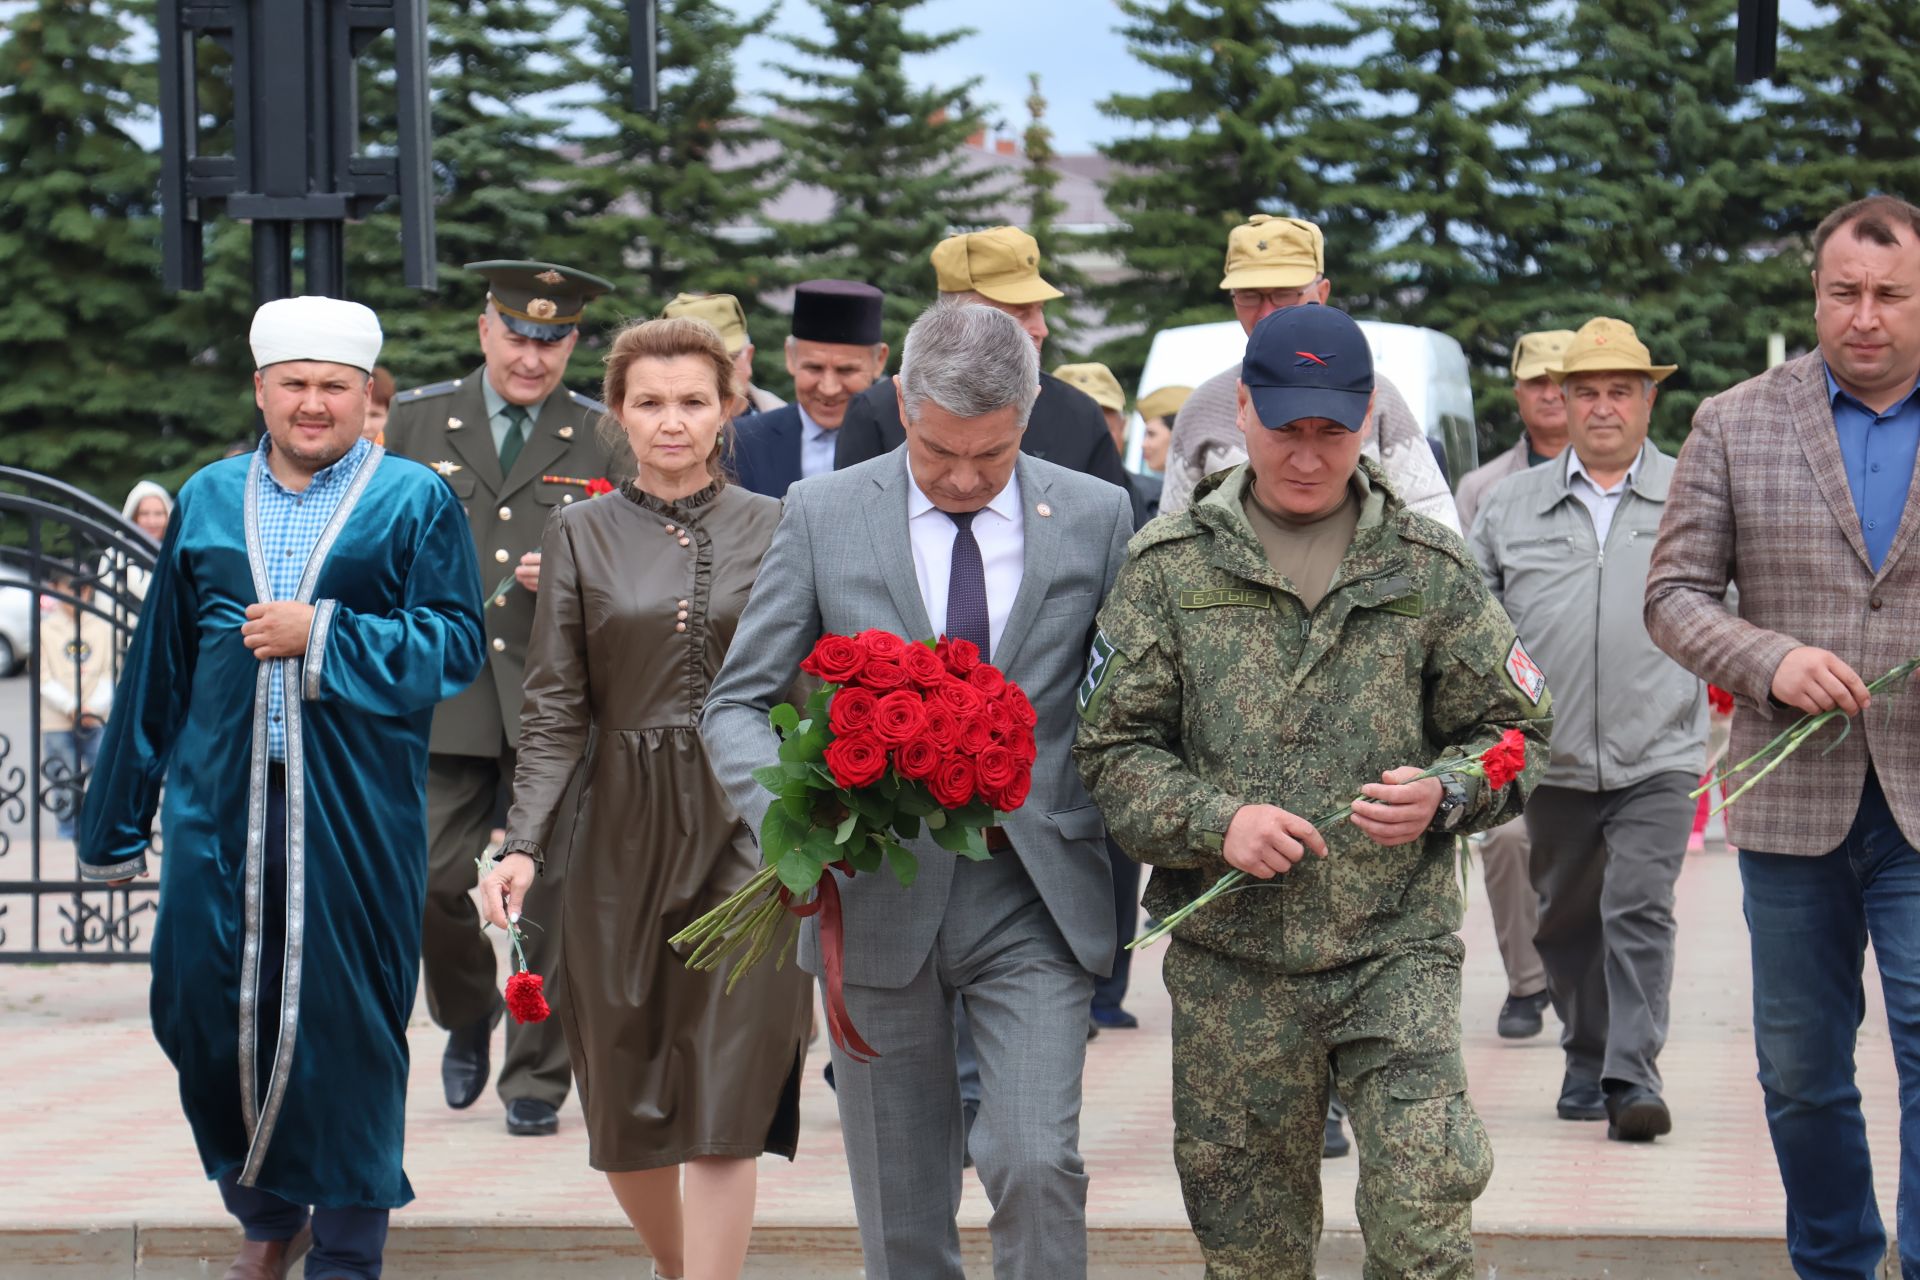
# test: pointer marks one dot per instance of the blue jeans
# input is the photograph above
(67, 758)
(1810, 920)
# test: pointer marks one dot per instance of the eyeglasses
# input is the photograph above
(1263, 299)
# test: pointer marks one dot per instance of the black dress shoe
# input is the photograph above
(1520, 1016)
(1635, 1113)
(466, 1064)
(1581, 1099)
(969, 1112)
(1334, 1144)
(1114, 1017)
(531, 1118)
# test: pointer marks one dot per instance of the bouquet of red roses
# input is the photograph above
(901, 735)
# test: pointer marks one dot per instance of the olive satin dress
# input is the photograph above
(638, 601)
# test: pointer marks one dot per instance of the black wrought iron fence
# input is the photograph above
(72, 575)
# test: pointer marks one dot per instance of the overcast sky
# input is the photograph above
(1071, 43)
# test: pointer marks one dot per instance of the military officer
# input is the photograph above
(724, 312)
(513, 444)
(1295, 633)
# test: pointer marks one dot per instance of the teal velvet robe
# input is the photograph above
(312, 1109)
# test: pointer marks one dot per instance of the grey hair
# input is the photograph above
(969, 360)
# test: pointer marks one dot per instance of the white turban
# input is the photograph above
(311, 328)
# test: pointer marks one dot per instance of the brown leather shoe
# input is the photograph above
(269, 1259)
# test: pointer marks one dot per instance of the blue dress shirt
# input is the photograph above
(1878, 449)
(816, 446)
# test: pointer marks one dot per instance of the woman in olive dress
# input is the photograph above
(640, 592)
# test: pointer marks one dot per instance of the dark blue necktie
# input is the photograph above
(967, 588)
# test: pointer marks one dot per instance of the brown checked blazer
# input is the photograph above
(1760, 498)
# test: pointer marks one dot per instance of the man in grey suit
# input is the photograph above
(956, 532)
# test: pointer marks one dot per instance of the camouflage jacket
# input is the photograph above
(1211, 687)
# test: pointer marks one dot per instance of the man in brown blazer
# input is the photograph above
(512, 443)
(1798, 486)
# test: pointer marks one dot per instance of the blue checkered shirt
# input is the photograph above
(290, 525)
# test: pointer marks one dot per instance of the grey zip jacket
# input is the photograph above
(1622, 710)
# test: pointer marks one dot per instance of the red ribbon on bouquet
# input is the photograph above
(826, 904)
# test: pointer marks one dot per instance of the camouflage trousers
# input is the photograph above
(1251, 1050)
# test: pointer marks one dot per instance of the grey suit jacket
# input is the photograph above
(842, 562)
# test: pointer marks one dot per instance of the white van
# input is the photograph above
(1429, 368)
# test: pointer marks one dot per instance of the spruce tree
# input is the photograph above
(1038, 178)
(649, 208)
(97, 386)
(1850, 112)
(1234, 133)
(888, 154)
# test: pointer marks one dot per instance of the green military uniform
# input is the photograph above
(1211, 687)
(453, 427)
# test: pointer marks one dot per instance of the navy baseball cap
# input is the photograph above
(1308, 362)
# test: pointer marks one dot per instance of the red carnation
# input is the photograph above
(857, 760)
(975, 735)
(1502, 762)
(881, 644)
(1014, 794)
(835, 659)
(883, 675)
(524, 999)
(1720, 699)
(1016, 700)
(943, 727)
(958, 697)
(922, 668)
(917, 759)
(952, 783)
(958, 656)
(987, 680)
(899, 717)
(996, 768)
(597, 487)
(851, 711)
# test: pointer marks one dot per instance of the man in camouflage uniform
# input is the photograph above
(1229, 705)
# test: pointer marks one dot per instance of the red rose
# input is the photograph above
(1023, 713)
(987, 680)
(850, 711)
(922, 668)
(1014, 794)
(917, 759)
(975, 735)
(881, 644)
(524, 999)
(952, 783)
(943, 727)
(835, 659)
(958, 656)
(996, 766)
(883, 675)
(899, 717)
(857, 760)
(999, 719)
(1024, 750)
(958, 697)
(1502, 762)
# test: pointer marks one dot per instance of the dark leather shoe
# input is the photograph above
(969, 1112)
(1520, 1016)
(467, 1063)
(1635, 1113)
(1114, 1018)
(531, 1118)
(1581, 1099)
(1335, 1144)
(269, 1259)
(1093, 1027)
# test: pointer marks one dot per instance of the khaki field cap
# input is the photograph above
(1097, 381)
(1537, 353)
(1266, 252)
(1002, 264)
(721, 310)
(1606, 345)
(1163, 403)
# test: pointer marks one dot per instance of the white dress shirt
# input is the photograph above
(1600, 503)
(816, 446)
(999, 528)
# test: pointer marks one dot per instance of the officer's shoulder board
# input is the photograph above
(1160, 530)
(431, 389)
(585, 402)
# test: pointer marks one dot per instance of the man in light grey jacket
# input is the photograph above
(1566, 548)
(957, 532)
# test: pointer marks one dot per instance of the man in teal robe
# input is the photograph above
(313, 601)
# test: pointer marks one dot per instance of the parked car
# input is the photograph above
(1429, 368)
(16, 622)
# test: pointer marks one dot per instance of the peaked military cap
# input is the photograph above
(539, 300)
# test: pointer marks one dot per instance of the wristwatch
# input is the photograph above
(1453, 803)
